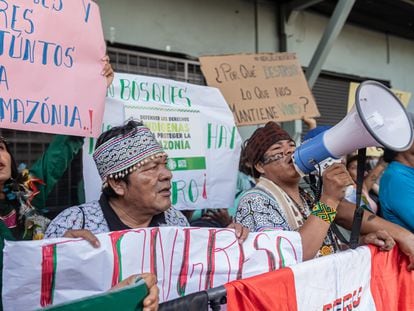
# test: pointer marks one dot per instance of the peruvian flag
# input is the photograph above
(360, 279)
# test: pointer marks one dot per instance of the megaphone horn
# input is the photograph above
(377, 119)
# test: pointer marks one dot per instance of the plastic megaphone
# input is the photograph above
(377, 119)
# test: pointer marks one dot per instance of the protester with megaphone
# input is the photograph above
(277, 202)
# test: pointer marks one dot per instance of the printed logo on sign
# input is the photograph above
(171, 164)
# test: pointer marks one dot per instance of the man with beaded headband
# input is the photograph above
(135, 186)
(277, 202)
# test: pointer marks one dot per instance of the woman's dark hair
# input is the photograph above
(389, 155)
(111, 133)
(14, 171)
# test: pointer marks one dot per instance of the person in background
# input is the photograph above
(396, 191)
(277, 202)
(17, 190)
(369, 180)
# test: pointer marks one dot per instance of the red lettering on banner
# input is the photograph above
(355, 303)
(161, 271)
(182, 279)
(271, 262)
(212, 246)
(211, 264)
(327, 307)
(116, 238)
(200, 274)
(279, 241)
(48, 274)
(337, 302)
(347, 306)
(343, 304)
(48, 277)
(241, 262)
(153, 250)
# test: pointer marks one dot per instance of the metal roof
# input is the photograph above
(395, 17)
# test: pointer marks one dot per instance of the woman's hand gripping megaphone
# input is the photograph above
(335, 181)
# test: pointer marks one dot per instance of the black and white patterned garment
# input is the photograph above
(258, 211)
(98, 217)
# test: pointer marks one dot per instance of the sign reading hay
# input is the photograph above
(261, 87)
(50, 66)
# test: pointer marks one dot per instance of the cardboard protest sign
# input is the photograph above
(403, 96)
(195, 127)
(185, 260)
(50, 66)
(261, 87)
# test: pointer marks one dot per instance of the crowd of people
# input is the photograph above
(136, 184)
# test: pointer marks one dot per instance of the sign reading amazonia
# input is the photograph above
(195, 127)
(50, 66)
(261, 87)
(185, 260)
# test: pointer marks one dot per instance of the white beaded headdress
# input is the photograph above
(123, 154)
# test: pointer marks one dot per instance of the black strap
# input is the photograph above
(359, 211)
(83, 216)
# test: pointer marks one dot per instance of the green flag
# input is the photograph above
(128, 298)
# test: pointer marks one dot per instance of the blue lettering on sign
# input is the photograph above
(87, 9)
(20, 111)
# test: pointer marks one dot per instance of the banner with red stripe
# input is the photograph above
(363, 279)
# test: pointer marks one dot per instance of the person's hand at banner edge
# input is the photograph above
(107, 71)
(241, 231)
(84, 234)
(381, 239)
(150, 302)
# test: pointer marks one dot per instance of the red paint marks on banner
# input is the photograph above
(211, 261)
(271, 261)
(182, 280)
(48, 273)
(205, 187)
(279, 241)
(241, 262)
(116, 237)
(153, 250)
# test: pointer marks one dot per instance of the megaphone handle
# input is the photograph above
(359, 211)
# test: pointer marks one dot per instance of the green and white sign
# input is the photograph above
(195, 127)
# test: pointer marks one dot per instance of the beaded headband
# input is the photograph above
(123, 154)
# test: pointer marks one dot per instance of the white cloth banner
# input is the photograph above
(185, 260)
(195, 127)
(348, 275)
